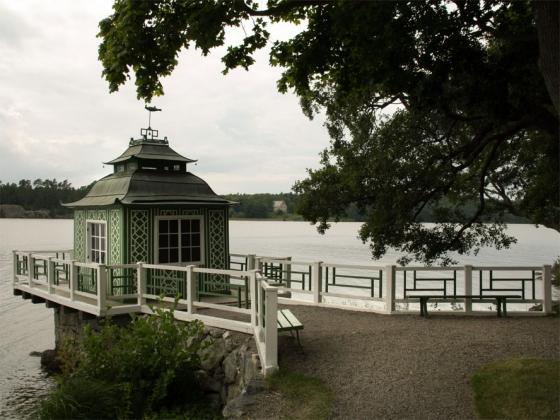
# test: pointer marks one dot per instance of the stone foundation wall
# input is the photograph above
(230, 369)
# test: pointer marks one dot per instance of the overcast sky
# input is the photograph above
(57, 119)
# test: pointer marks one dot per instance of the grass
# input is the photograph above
(306, 397)
(518, 389)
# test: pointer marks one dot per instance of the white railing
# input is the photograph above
(260, 283)
(126, 288)
(393, 289)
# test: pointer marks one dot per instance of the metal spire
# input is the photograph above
(151, 109)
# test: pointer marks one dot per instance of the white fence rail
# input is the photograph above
(253, 286)
(125, 288)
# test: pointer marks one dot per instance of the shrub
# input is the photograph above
(144, 367)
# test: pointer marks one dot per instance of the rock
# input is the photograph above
(226, 335)
(207, 382)
(49, 361)
(230, 345)
(215, 332)
(213, 354)
(231, 367)
(233, 391)
(255, 386)
(238, 406)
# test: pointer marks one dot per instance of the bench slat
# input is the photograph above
(291, 318)
(286, 321)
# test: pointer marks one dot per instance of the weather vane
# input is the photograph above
(149, 133)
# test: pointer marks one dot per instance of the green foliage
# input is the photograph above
(42, 195)
(475, 126)
(518, 389)
(81, 398)
(148, 365)
(307, 397)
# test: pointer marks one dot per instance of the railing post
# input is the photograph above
(191, 290)
(390, 275)
(101, 286)
(141, 282)
(271, 329)
(73, 278)
(316, 282)
(251, 262)
(50, 275)
(30, 268)
(15, 265)
(288, 270)
(468, 287)
(253, 293)
(547, 289)
(258, 264)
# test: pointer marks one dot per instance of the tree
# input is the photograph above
(434, 103)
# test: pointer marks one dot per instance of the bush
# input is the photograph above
(142, 368)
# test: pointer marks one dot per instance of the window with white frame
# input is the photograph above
(97, 242)
(179, 240)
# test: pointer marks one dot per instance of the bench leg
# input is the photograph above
(499, 305)
(421, 307)
(505, 309)
(299, 342)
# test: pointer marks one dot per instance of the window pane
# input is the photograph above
(173, 226)
(195, 239)
(185, 255)
(195, 253)
(102, 258)
(195, 225)
(174, 241)
(95, 244)
(164, 226)
(102, 229)
(163, 256)
(185, 226)
(163, 241)
(186, 240)
(102, 244)
(93, 229)
(174, 255)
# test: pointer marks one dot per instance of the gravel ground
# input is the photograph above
(405, 366)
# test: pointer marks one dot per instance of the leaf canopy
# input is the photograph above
(437, 104)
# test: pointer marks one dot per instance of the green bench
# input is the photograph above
(288, 322)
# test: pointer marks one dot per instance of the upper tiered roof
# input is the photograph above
(150, 172)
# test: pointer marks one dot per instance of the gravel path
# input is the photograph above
(404, 366)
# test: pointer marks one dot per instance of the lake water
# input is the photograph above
(26, 327)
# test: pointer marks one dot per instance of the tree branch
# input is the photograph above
(282, 8)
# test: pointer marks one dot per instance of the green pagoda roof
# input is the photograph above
(150, 149)
(149, 187)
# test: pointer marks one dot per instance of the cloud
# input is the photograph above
(57, 118)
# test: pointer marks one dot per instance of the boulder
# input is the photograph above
(213, 353)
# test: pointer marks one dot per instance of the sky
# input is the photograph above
(58, 119)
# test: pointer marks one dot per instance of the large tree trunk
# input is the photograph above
(547, 15)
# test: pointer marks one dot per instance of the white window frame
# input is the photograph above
(179, 218)
(89, 222)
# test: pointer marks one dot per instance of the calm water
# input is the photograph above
(26, 327)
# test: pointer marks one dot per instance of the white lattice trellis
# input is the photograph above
(139, 235)
(217, 249)
(115, 241)
(79, 235)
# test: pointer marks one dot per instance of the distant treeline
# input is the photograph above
(39, 198)
(43, 198)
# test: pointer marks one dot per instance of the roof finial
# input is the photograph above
(149, 133)
(151, 109)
